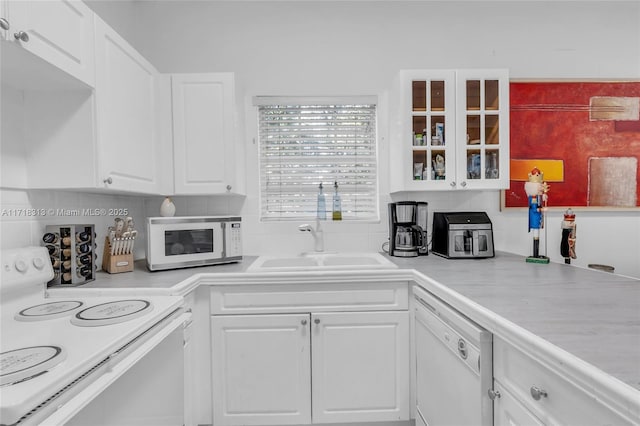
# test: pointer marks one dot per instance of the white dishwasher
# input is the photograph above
(453, 365)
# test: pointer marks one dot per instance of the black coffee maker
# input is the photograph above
(408, 229)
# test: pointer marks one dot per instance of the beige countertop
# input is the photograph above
(592, 315)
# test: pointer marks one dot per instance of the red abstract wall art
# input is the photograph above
(587, 134)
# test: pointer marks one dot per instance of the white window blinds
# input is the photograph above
(306, 141)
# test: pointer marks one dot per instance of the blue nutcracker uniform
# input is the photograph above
(535, 215)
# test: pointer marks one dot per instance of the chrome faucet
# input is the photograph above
(317, 233)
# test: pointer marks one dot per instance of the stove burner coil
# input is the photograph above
(49, 310)
(111, 312)
(26, 363)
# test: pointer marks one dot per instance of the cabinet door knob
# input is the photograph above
(463, 184)
(538, 393)
(317, 320)
(493, 394)
(229, 188)
(4, 24)
(452, 184)
(108, 180)
(303, 322)
(22, 36)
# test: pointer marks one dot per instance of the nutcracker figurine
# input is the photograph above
(536, 190)
(568, 242)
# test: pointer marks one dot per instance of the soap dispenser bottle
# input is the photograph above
(337, 203)
(322, 205)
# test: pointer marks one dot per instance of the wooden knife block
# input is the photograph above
(117, 263)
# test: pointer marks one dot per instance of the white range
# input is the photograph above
(58, 355)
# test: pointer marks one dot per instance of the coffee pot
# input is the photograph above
(407, 228)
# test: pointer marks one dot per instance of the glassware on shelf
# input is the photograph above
(492, 171)
(473, 165)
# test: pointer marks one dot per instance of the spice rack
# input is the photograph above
(72, 252)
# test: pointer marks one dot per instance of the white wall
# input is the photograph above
(342, 47)
(324, 48)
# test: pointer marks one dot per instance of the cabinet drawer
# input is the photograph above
(565, 401)
(292, 298)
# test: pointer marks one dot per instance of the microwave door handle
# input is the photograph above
(475, 245)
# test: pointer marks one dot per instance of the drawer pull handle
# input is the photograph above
(538, 393)
(462, 349)
(22, 36)
(493, 394)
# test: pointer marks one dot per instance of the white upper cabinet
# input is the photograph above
(84, 138)
(57, 31)
(203, 133)
(482, 129)
(126, 110)
(451, 131)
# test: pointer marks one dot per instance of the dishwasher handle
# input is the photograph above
(425, 303)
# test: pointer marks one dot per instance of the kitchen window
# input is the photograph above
(306, 141)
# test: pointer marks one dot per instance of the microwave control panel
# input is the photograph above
(233, 239)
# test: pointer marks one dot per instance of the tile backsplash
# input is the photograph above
(26, 213)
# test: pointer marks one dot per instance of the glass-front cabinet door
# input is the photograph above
(430, 131)
(454, 130)
(482, 127)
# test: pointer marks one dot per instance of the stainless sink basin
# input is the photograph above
(321, 261)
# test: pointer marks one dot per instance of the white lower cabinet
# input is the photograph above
(190, 363)
(261, 368)
(534, 390)
(302, 368)
(360, 369)
(508, 410)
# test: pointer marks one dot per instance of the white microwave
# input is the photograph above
(183, 242)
